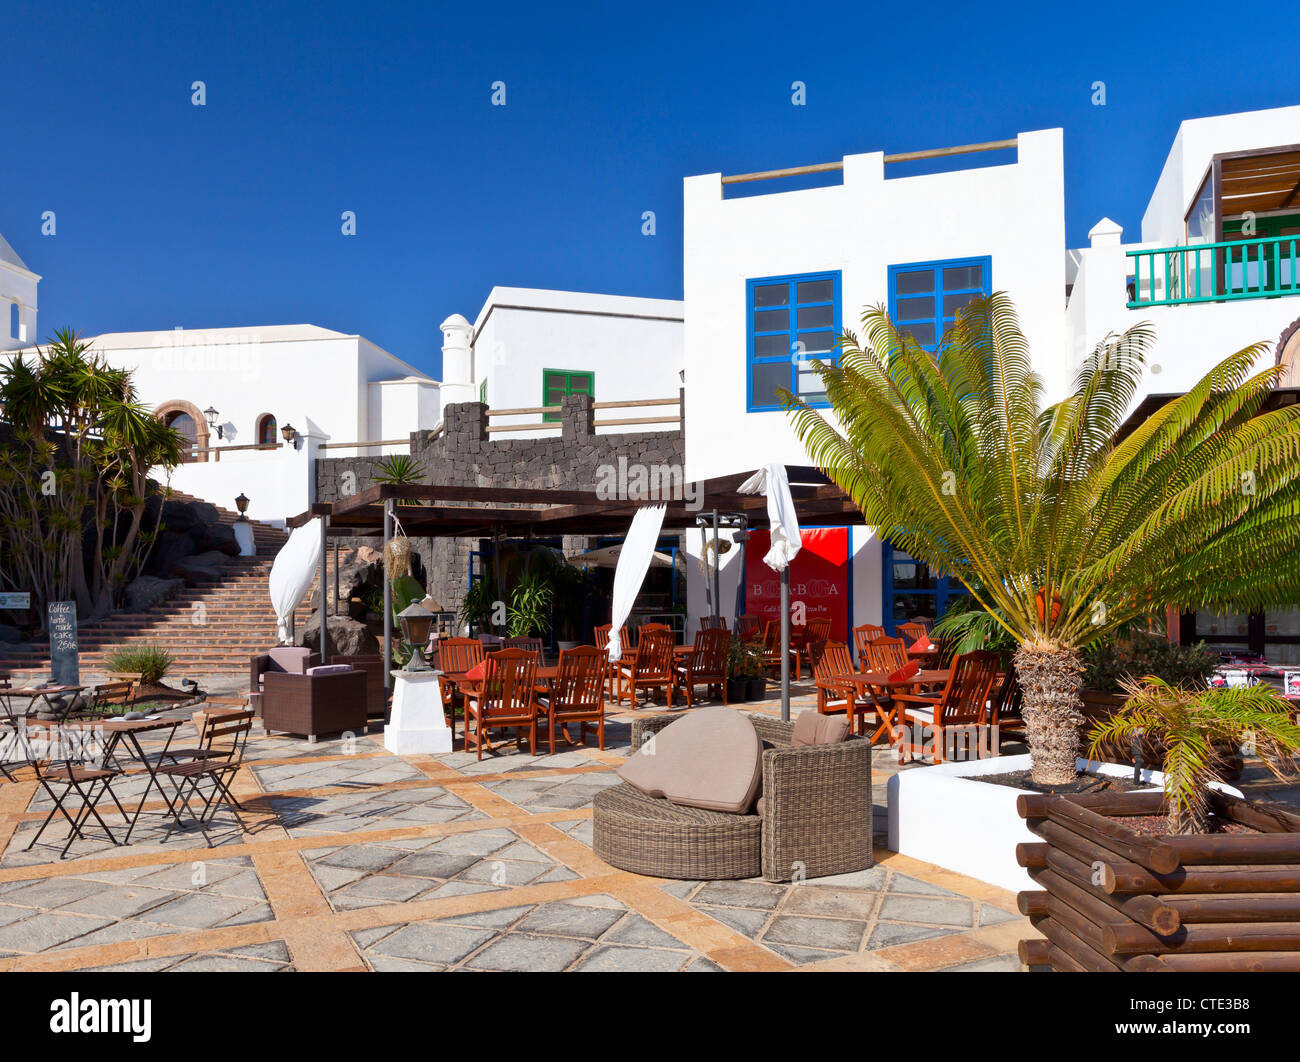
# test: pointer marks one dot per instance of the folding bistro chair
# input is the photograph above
(89, 784)
(577, 695)
(213, 771)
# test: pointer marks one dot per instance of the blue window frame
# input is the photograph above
(924, 297)
(790, 322)
(911, 589)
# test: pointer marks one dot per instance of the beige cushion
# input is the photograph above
(711, 759)
(813, 728)
(292, 659)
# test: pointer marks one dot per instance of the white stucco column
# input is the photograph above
(457, 362)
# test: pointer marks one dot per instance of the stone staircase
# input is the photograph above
(211, 627)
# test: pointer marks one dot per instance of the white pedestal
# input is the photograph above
(417, 724)
(244, 536)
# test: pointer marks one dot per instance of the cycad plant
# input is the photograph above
(1062, 533)
(1194, 726)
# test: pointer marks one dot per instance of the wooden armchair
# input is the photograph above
(578, 695)
(816, 630)
(505, 698)
(748, 627)
(611, 670)
(706, 665)
(886, 655)
(913, 632)
(1004, 709)
(651, 668)
(712, 622)
(862, 637)
(772, 648)
(960, 710)
(828, 660)
(528, 644)
(456, 655)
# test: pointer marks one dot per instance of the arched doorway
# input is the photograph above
(1288, 355)
(186, 419)
(266, 430)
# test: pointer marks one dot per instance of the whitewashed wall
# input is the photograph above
(1013, 213)
(633, 345)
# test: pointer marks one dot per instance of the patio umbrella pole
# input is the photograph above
(785, 644)
(388, 600)
(717, 569)
(324, 561)
(336, 577)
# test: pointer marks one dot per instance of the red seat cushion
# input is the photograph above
(922, 645)
(905, 672)
(477, 672)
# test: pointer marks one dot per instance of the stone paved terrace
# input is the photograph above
(349, 858)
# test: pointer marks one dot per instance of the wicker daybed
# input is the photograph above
(815, 821)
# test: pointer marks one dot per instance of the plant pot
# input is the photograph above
(1111, 899)
(942, 815)
(756, 689)
(737, 690)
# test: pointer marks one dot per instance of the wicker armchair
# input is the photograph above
(373, 665)
(314, 704)
(283, 659)
(816, 816)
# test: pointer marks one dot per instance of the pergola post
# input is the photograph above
(717, 569)
(324, 560)
(785, 644)
(388, 599)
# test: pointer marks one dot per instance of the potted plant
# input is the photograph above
(529, 611)
(1188, 876)
(744, 666)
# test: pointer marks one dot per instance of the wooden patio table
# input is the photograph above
(873, 682)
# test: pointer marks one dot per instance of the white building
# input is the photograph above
(769, 280)
(528, 348)
(17, 299)
(236, 393)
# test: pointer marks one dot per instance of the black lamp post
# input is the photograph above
(212, 415)
(241, 503)
(416, 620)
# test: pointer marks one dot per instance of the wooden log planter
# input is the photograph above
(1114, 900)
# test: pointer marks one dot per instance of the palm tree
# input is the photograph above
(1194, 726)
(1062, 533)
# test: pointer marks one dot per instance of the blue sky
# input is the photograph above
(229, 214)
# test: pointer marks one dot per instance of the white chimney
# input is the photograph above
(457, 362)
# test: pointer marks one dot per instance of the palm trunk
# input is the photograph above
(1050, 678)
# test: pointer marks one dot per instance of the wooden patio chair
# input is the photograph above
(816, 630)
(577, 695)
(528, 644)
(505, 698)
(611, 670)
(649, 628)
(960, 710)
(713, 623)
(913, 632)
(862, 636)
(651, 668)
(1004, 709)
(706, 665)
(772, 648)
(216, 772)
(886, 655)
(828, 660)
(456, 655)
(748, 627)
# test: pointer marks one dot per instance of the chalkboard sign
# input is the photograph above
(63, 643)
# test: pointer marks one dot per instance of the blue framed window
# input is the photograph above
(924, 297)
(912, 590)
(791, 321)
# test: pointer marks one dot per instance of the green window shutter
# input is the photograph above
(556, 383)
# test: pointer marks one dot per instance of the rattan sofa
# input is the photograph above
(815, 821)
(311, 705)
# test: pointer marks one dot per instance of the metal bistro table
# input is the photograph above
(129, 730)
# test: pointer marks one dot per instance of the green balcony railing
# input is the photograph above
(1215, 272)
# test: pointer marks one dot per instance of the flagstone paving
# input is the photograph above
(346, 857)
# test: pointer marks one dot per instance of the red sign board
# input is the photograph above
(819, 579)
